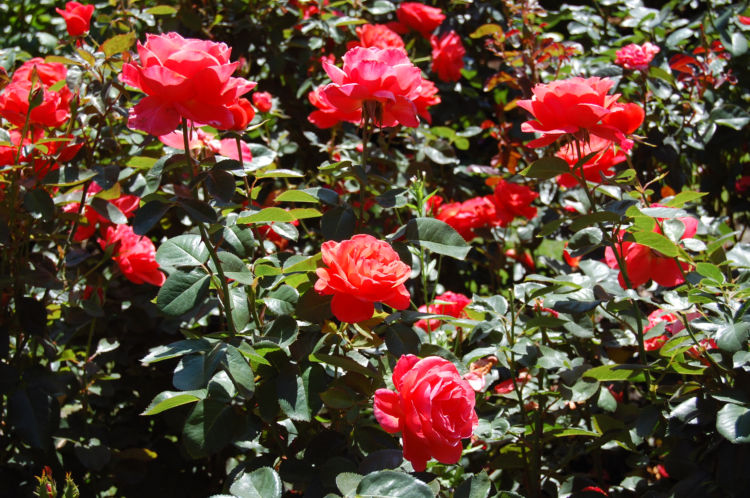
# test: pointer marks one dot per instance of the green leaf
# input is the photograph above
(389, 483)
(477, 486)
(108, 211)
(615, 372)
(343, 362)
(380, 7)
(733, 422)
(210, 426)
(658, 242)
(171, 399)
(279, 173)
(296, 196)
(587, 238)
(260, 483)
(198, 211)
(149, 215)
(262, 157)
(486, 29)
(731, 116)
(347, 483)
(594, 218)
(546, 167)
(239, 371)
(268, 215)
(39, 204)
(183, 250)
(304, 213)
(176, 349)
(732, 337)
(161, 10)
(710, 271)
(437, 236)
(338, 223)
(182, 291)
(118, 44)
(683, 198)
(292, 395)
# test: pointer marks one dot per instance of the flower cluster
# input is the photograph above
(186, 79)
(432, 407)
(126, 204)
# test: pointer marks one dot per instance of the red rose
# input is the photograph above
(53, 111)
(432, 407)
(77, 18)
(127, 204)
(326, 114)
(465, 217)
(448, 303)
(644, 263)
(360, 272)
(377, 35)
(636, 57)
(427, 97)
(242, 114)
(262, 100)
(577, 106)
(135, 255)
(513, 201)
(420, 17)
(383, 78)
(183, 78)
(447, 56)
(655, 317)
(601, 164)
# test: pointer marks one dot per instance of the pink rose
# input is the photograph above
(420, 17)
(360, 272)
(77, 18)
(636, 57)
(432, 407)
(381, 80)
(183, 78)
(205, 144)
(326, 114)
(135, 255)
(447, 56)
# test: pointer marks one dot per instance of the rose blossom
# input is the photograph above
(183, 78)
(644, 263)
(77, 18)
(360, 272)
(636, 57)
(53, 111)
(427, 97)
(126, 203)
(607, 156)
(432, 407)
(576, 106)
(468, 216)
(448, 303)
(655, 317)
(263, 101)
(326, 114)
(377, 35)
(420, 17)
(513, 201)
(383, 81)
(447, 56)
(135, 255)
